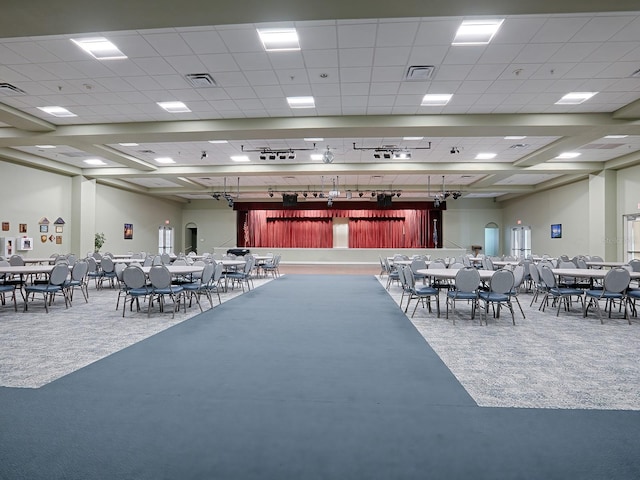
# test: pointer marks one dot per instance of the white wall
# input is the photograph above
(216, 224)
(628, 200)
(464, 221)
(26, 196)
(567, 205)
(115, 207)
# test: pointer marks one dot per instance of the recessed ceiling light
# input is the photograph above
(476, 32)
(240, 158)
(569, 155)
(316, 156)
(412, 138)
(311, 139)
(94, 161)
(100, 48)
(436, 99)
(616, 136)
(218, 141)
(45, 146)
(279, 39)
(164, 160)
(174, 107)
(128, 144)
(57, 111)
(301, 102)
(575, 98)
(485, 156)
(515, 137)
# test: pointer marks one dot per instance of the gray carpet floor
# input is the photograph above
(310, 377)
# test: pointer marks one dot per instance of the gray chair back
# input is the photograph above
(617, 280)
(502, 281)
(134, 277)
(467, 279)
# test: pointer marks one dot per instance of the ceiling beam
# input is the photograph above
(23, 121)
(33, 161)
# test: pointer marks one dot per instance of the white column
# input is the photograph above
(602, 221)
(83, 215)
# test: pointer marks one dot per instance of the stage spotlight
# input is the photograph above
(436, 203)
(456, 195)
(376, 155)
(305, 194)
(373, 194)
(230, 202)
(263, 156)
(271, 194)
(315, 194)
(272, 156)
(398, 194)
(203, 155)
(330, 202)
(454, 150)
(360, 194)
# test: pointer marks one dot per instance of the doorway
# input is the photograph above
(191, 238)
(521, 242)
(631, 236)
(165, 239)
(491, 239)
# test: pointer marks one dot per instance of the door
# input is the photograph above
(521, 242)
(165, 239)
(631, 236)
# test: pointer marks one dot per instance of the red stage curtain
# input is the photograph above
(402, 228)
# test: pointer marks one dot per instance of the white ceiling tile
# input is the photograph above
(357, 74)
(325, 90)
(252, 60)
(551, 71)
(34, 72)
(323, 75)
(286, 60)
(204, 42)
(356, 57)
(32, 52)
(535, 86)
(240, 92)
(518, 30)
(519, 98)
(396, 34)
(618, 70)
(261, 77)
(449, 86)
(353, 36)
(184, 64)
(296, 90)
(134, 97)
(124, 68)
(11, 75)
(382, 101)
(249, 104)
(62, 70)
(171, 82)
(498, 53)
(464, 99)
(9, 57)
(329, 101)
(168, 44)
(537, 52)
(408, 100)
(474, 86)
(404, 110)
(145, 83)
(320, 58)
(463, 55)
(428, 55)
(517, 71)
(586, 70)
(437, 32)
(388, 56)
(213, 94)
(559, 29)
(293, 77)
(135, 46)
(388, 74)
(405, 88)
(486, 72)
(241, 40)
(64, 49)
(454, 72)
(231, 79)
(611, 52)
(354, 88)
(222, 62)
(574, 52)
(154, 66)
(601, 28)
(318, 38)
(114, 84)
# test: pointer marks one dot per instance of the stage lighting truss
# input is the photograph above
(267, 153)
(392, 152)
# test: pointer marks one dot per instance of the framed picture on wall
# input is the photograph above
(58, 228)
(44, 228)
(556, 230)
(22, 228)
(128, 231)
(5, 226)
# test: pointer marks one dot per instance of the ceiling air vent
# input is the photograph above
(419, 73)
(8, 89)
(201, 80)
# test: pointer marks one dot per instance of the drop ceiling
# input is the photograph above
(356, 69)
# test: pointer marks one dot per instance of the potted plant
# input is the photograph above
(98, 241)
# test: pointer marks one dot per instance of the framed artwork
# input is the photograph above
(59, 240)
(25, 243)
(44, 228)
(128, 231)
(58, 228)
(556, 230)
(5, 226)
(22, 228)
(43, 238)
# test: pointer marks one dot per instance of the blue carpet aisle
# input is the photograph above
(308, 377)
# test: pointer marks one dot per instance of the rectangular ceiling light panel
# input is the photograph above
(174, 107)
(57, 111)
(301, 102)
(575, 98)
(100, 48)
(476, 32)
(432, 100)
(279, 39)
